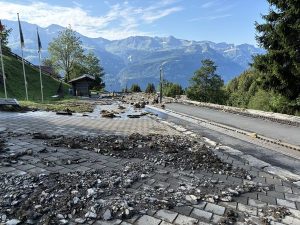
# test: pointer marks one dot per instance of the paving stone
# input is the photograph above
(298, 205)
(286, 203)
(6, 169)
(201, 214)
(247, 209)
(273, 181)
(292, 197)
(25, 167)
(275, 194)
(217, 209)
(97, 166)
(231, 205)
(200, 205)
(111, 222)
(243, 200)
(203, 223)
(216, 219)
(252, 195)
(291, 220)
(295, 213)
(147, 220)
(133, 219)
(256, 203)
(296, 190)
(151, 212)
(185, 210)
(264, 174)
(125, 223)
(37, 171)
(267, 199)
(17, 172)
(165, 223)
(276, 223)
(259, 179)
(235, 180)
(82, 169)
(283, 189)
(166, 215)
(185, 220)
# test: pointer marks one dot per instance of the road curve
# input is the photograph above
(283, 132)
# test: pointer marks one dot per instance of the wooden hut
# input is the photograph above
(82, 85)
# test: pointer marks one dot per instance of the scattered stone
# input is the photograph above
(67, 112)
(79, 220)
(107, 114)
(13, 222)
(192, 199)
(107, 215)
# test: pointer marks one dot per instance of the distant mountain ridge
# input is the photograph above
(137, 59)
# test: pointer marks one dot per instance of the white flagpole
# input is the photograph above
(25, 81)
(41, 77)
(2, 65)
(22, 45)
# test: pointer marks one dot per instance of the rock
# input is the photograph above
(107, 215)
(107, 114)
(67, 112)
(29, 152)
(60, 216)
(13, 222)
(192, 199)
(75, 200)
(90, 215)
(63, 221)
(79, 220)
(91, 192)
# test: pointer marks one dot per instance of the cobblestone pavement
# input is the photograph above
(77, 124)
(283, 193)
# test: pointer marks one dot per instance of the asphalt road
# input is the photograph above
(272, 157)
(285, 133)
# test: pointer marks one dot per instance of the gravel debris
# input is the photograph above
(81, 197)
(175, 151)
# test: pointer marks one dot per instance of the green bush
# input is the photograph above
(172, 90)
(135, 88)
(150, 88)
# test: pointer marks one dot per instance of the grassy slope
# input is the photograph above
(15, 81)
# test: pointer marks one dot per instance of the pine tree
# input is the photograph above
(206, 84)
(280, 36)
(150, 88)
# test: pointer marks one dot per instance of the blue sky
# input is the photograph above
(230, 21)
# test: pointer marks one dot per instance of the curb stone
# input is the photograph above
(253, 161)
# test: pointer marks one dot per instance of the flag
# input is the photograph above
(39, 40)
(21, 33)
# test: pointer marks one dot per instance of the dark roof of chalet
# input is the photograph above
(84, 76)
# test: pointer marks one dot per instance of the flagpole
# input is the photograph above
(2, 65)
(39, 51)
(25, 81)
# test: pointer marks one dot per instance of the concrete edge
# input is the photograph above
(252, 112)
(252, 161)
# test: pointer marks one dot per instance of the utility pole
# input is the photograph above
(161, 84)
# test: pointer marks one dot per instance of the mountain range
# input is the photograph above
(137, 59)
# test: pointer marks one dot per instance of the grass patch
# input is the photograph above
(15, 81)
(73, 105)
